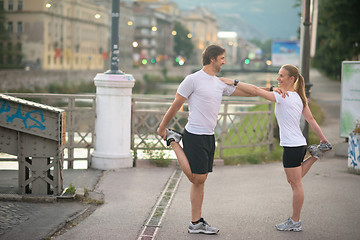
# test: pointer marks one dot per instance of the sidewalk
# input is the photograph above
(244, 202)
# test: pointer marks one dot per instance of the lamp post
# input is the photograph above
(113, 109)
(115, 16)
(305, 55)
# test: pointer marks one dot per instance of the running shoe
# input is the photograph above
(289, 225)
(202, 227)
(325, 146)
(172, 136)
(315, 151)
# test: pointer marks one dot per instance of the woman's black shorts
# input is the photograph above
(199, 150)
(293, 156)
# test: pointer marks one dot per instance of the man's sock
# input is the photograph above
(196, 222)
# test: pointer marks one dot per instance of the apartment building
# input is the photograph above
(203, 27)
(153, 39)
(59, 35)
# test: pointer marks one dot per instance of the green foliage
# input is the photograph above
(70, 190)
(62, 88)
(265, 47)
(157, 157)
(319, 116)
(261, 154)
(10, 51)
(338, 35)
(183, 45)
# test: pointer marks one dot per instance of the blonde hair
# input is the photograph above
(299, 83)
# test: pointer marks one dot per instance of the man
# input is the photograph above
(204, 91)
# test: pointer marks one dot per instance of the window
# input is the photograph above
(11, 5)
(20, 5)
(19, 46)
(1, 4)
(9, 59)
(19, 28)
(10, 27)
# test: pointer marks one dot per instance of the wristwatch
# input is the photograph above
(236, 81)
(271, 88)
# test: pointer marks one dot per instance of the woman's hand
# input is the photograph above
(228, 81)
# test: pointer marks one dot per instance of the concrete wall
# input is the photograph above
(15, 79)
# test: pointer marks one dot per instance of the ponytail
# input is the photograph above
(299, 83)
(300, 88)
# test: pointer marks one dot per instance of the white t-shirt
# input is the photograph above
(204, 93)
(288, 113)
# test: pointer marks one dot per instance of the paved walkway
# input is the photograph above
(244, 202)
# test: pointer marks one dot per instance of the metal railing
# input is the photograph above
(80, 122)
(240, 123)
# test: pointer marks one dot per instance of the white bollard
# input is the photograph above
(113, 121)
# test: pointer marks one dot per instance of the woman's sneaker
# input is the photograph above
(315, 151)
(172, 136)
(202, 227)
(289, 225)
(325, 146)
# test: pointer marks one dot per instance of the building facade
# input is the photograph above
(59, 35)
(153, 38)
(203, 26)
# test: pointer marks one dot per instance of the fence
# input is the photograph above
(241, 123)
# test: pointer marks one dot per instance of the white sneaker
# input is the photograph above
(172, 136)
(202, 227)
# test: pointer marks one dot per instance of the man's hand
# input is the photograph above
(281, 92)
(162, 133)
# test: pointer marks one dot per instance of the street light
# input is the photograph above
(115, 15)
(305, 58)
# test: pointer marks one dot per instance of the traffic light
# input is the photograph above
(247, 61)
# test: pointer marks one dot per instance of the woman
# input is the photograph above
(288, 111)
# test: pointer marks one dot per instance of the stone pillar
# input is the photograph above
(113, 121)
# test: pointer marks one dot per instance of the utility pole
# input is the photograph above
(305, 55)
(115, 16)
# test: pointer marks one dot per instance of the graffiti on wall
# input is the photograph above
(28, 119)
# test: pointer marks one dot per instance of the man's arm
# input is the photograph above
(171, 112)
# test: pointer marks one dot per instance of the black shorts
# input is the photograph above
(199, 150)
(293, 156)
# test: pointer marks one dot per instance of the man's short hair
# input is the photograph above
(212, 51)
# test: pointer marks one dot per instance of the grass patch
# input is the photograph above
(319, 116)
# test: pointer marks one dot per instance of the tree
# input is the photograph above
(338, 35)
(4, 36)
(10, 51)
(183, 45)
(265, 47)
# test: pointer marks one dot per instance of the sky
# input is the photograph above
(277, 19)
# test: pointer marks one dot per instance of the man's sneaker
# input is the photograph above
(289, 225)
(315, 151)
(172, 136)
(202, 227)
(325, 146)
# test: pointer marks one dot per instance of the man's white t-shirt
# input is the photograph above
(204, 93)
(288, 113)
